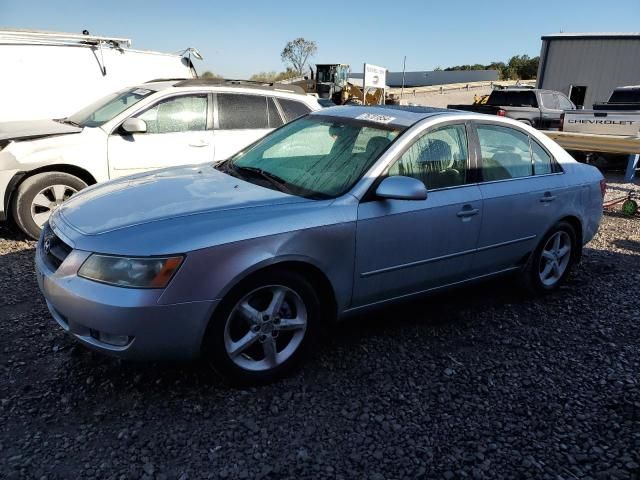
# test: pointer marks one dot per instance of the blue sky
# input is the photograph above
(243, 37)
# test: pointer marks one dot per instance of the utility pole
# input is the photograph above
(404, 66)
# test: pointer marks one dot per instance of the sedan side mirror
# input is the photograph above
(401, 188)
(134, 125)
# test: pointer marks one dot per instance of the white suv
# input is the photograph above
(155, 125)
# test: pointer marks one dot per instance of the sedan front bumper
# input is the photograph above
(88, 310)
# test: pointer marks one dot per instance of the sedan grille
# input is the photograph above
(54, 250)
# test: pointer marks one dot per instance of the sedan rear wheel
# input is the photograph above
(551, 262)
(263, 328)
(555, 258)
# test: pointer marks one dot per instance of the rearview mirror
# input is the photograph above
(134, 125)
(402, 188)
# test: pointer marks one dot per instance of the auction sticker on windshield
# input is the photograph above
(373, 117)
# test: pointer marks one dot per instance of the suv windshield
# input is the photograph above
(100, 112)
(315, 157)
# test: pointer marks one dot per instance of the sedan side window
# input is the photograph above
(186, 113)
(505, 153)
(438, 158)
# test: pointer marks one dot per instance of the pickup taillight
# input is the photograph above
(561, 127)
(603, 187)
(501, 113)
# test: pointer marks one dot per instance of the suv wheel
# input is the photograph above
(38, 196)
(262, 329)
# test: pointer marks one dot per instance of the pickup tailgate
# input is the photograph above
(601, 122)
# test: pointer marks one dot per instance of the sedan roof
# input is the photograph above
(399, 115)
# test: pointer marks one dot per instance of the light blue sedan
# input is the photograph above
(340, 211)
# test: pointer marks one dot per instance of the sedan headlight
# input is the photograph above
(130, 272)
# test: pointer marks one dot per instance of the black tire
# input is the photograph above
(213, 347)
(27, 191)
(525, 121)
(530, 276)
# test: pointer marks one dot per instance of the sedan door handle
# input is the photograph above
(467, 211)
(547, 197)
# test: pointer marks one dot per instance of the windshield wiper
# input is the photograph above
(272, 178)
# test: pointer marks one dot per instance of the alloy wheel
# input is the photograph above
(555, 258)
(265, 328)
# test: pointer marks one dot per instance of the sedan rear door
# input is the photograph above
(409, 246)
(521, 187)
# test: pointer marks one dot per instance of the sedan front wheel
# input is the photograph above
(263, 328)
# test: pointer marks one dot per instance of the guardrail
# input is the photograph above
(458, 86)
(587, 142)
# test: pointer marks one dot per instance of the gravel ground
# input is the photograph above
(482, 382)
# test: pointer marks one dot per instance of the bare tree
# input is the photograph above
(297, 53)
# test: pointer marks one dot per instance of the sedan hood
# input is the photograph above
(164, 194)
(35, 129)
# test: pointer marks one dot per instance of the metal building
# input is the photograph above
(588, 66)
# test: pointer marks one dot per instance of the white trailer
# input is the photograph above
(53, 75)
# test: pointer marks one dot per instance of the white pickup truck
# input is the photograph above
(619, 116)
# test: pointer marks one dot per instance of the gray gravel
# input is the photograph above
(483, 382)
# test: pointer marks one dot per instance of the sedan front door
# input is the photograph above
(178, 132)
(409, 246)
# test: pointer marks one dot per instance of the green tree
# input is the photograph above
(209, 74)
(296, 54)
(270, 77)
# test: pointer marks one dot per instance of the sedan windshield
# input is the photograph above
(100, 112)
(316, 157)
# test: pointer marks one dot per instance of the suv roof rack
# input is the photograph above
(202, 82)
(45, 37)
(177, 79)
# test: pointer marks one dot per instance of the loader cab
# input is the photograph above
(331, 79)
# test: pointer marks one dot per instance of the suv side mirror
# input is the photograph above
(134, 125)
(402, 188)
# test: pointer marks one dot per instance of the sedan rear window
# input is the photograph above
(505, 153)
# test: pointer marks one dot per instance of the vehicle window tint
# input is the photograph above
(564, 103)
(178, 114)
(293, 109)
(549, 100)
(513, 98)
(542, 163)
(274, 116)
(505, 153)
(438, 159)
(237, 112)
